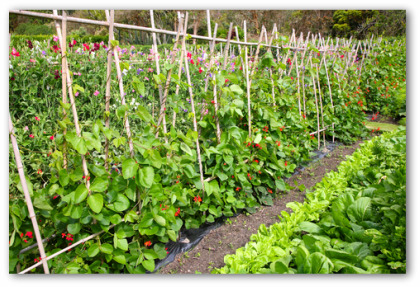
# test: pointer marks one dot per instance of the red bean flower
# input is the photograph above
(148, 243)
(29, 234)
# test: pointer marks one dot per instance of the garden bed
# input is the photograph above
(210, 251)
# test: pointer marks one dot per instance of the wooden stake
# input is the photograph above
(180, 61)
(194, 120)
(64, 81)
(168, 81)
(108, 87)
(320, 100)
(209, 25)
(317, 111)
(28, 200)
(248, 84)
(121, 86)
(158, 72)
(73, 104)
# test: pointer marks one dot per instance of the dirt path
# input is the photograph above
(210, 252)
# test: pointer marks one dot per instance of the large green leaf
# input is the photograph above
(95, 202)
(106, 248)
(155, 158)
(144, 114)
(146, 176)
(100, 184)
(318, 263)
(63, 177)
(129, 168)
(42, 203)
(189, 171)
(211, 187)
(360, 210)
(121, 203)
(186, 149)
(160, 220)
(93, 250)
(74, 228)
(80, 193)
(149, 264)
(92, 141)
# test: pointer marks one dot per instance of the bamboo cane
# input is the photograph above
(302, 68)
(298, 91)
(254, 66)
(168, 80)
(63, 82)
(28, 200)
(158, 72)
(218, 133)
(320, 100)
(294, 57)
(287, 54)
(73, 105)
(227, 46)
(240, 50)
(248, 85)
(183, 31)
(108, 89)
(121, 87)
(208, 25)
(317, 110)
(194, 120)
(270, 69)
(329, 88)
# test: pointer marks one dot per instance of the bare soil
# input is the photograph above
(235, 233)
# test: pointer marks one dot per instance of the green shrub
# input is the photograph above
(33, 29)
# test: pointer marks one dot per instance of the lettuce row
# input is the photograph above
(353, 221)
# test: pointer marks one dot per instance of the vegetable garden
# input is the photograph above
(115, 150)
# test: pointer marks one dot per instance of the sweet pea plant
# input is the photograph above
(143, 201)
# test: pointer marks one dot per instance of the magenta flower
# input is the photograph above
(96, 93)
(55, 38)
(15, 53)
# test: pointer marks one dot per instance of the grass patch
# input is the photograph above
(383, 126)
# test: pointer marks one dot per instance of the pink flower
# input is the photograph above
(146, 78)
(15, 53)
(52, 137)
(26, 128)
(55, 38)
(36, 118)
(77, 94)
(32, 60)
(96, 93)
(31, 136)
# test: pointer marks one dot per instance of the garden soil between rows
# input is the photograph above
(209, 253)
